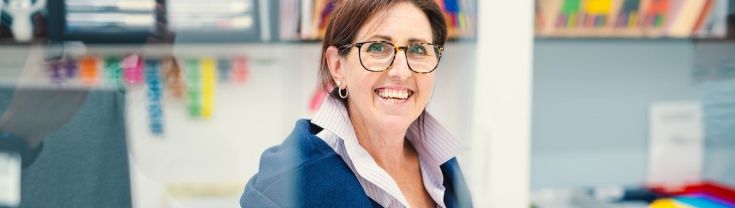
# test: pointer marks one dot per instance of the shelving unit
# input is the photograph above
(633, 18)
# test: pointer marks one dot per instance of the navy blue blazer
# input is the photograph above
(304, 171)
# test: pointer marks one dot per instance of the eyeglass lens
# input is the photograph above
(378, 56)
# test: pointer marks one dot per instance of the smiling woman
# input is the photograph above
(372, 143)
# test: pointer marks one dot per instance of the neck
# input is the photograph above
(387, 145)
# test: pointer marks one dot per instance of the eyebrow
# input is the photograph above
(388, 38)
(418, 40)
(383, 37)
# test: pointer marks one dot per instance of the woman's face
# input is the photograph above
(393, 98)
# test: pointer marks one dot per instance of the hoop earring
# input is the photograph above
(341, 95)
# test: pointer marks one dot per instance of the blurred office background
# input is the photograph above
(624, 97)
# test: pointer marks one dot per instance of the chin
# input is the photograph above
(396, 122)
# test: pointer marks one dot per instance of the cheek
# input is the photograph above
(425, 87)
(360, 81)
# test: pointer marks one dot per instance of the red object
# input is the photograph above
(133, 69)
(703, 15)
(656, 8)
(316, 99)
(240, 69)
(709, 188)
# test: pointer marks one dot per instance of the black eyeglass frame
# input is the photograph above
(439, 48)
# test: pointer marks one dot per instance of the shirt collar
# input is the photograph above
(435, 147)
(436, 142)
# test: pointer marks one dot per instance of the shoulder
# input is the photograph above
(303, 170)
(300, 149)
(457, 193)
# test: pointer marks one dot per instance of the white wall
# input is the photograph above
(501, 119)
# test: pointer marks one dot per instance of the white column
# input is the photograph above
(501, 123)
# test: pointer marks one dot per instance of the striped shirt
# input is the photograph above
(435, 148)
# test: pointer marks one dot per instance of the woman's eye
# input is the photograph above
(376, 47)
(417, 49)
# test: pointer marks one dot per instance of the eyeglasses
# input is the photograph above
(378, 56)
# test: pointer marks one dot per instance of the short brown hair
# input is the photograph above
(350, 15)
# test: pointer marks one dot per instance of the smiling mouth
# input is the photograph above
(394, 95)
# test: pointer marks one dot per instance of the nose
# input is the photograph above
(399, 69)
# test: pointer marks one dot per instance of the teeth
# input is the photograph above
(393, 94)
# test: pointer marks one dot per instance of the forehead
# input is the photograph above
(402, 22)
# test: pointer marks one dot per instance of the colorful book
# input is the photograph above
(628, 15)
(288, 25)
(655, 16)
(569, 14)
(715, 23)
(549, 11)
(306, 28)
(655, 13)
(683, 22)
(706, 10)
(596, 13)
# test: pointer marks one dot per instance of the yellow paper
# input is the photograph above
(598, 7)
(209, 67)
(667, 203)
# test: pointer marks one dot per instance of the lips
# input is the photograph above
(394, 94)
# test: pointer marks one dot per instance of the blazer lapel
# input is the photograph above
(457, 194)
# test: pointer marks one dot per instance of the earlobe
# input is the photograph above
(334, 63)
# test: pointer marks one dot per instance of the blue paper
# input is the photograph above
(702, 201)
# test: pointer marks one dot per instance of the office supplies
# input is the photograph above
(133, 69)
(193, 87)
(89, 70)
(172, 76)
(10, 164)
(155, 94)
(208, 66)
(62, 70)
(224, 68)
(675, 127)
(698, 192)
(703, 201)
(56, 71)
(240, 69)
(70, 68)
(113, 71)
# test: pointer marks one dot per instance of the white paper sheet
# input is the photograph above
(676, 143)
(9, 179)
